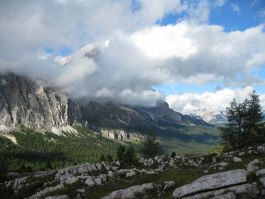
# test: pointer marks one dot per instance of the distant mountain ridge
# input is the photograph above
(25, 102)
(210, 117)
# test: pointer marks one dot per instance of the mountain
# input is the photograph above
(210, 117)
(24, 102)
(28, 103)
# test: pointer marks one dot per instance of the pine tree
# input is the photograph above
(243, 122)
(151, 146)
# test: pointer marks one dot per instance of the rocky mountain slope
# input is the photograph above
(24, 102)
(28, 103)
(210, 117)
(235, 174)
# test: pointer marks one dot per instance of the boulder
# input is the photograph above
(212, 182)
(46, 191)
(238, 189)
(90, 182)
(71, 180)
(252, 166)
(168, 185)
(237, 159)
(132, 192)
(260, 172)
(131, 173)
(261, 148)
(58, 197)
(229, 195)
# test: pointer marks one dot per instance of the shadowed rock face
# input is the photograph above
(26, 102)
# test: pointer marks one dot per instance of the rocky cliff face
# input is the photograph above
(25, 102)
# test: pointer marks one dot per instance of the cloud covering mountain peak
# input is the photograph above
(140, 54)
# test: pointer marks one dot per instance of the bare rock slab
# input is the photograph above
(212, 182)
(132, 192)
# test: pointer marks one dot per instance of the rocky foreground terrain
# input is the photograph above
(235, 174)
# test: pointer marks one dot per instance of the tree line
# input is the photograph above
(244, 125)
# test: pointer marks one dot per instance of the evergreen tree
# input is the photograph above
(243, 122)
(121, 152)
(173, 155)
(151, 146)
(130, 156)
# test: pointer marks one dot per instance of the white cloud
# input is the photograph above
(235, 8)
(139, 56)
(220, 2)
(209, 102)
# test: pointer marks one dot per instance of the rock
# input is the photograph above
(131, 173)
(103, 177)
(110, 174)
(260, 172)
(71, 180)
(168, 185)
(90, 182)
(237, 159)
(57, 197)
(114, 168)
(251, 167)
(98, 181)
(221, 164)
(99, 166)
(241, 153)
(46, 191)
(238, 189)
(81, 190)
(262, 180)
(25, 102)
(214, 160)
(261, 148)
(132, 192)
(212, 182)
(226, 196)
(18, 183)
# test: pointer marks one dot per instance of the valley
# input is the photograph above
(43, 129)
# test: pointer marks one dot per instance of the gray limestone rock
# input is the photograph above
(212, 182)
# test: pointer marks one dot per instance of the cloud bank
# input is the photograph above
(138, 54)
(211, 102)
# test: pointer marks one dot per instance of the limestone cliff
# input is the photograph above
(28, 103)
(24, 102)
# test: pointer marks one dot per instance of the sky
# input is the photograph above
(196, 54)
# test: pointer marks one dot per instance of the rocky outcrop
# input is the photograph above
(83, 179)
(121, 135)
(29, 103)
(143, 191)
(212, 182)
(24, 102)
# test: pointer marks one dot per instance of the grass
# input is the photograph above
(42, 151)
(180, 175)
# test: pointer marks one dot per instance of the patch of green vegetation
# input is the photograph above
(189, 140)
(41, 151)
(37, 151)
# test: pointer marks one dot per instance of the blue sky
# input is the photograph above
(155, 48)
(232, 16)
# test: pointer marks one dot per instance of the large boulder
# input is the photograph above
(143, 190)
(212, 182)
